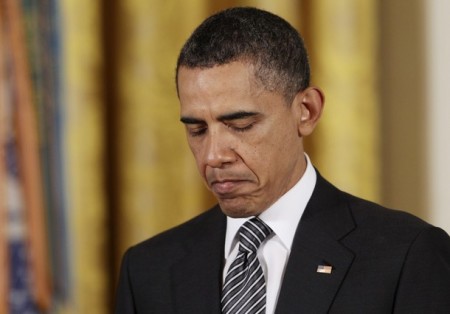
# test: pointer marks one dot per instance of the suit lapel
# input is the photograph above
(326, 220)
(197, 275)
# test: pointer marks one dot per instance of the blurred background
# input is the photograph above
(93, 158)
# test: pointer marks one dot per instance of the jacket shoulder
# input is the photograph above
(367, 213)
(171, 242)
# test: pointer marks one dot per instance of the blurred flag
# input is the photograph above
(26, 268)
(20, 280)
(42, 37)
(4, 274)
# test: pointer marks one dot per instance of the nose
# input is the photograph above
(219, 151)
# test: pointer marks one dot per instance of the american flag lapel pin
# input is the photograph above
(324, 269)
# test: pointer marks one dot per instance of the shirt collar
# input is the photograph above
(284, 215)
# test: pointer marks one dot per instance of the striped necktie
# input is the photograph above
(244, 290)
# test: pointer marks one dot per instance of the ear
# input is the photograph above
(308, 105)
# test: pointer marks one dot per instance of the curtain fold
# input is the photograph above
(157, 180)
(83, 134)
(342, 38)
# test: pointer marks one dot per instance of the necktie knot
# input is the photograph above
(252, 233)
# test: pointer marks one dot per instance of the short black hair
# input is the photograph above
(245, 34)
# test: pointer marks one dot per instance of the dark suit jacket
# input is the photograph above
(383, 261)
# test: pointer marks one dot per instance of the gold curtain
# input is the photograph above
(157, 181)
(342, 38)
(84, 156)
(131, 129)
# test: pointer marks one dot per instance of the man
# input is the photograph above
(246, 103)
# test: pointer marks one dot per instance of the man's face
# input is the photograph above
(245, 139)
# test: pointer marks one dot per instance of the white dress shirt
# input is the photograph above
(283, 217)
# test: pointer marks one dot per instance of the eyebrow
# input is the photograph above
(225, 117)
(237, 115)
(189, 120)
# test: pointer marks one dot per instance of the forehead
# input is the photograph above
(232, 84)
(227, 75)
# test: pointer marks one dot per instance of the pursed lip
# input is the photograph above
(226, 187)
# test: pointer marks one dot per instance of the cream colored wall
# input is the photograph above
(437, 26)
(415, 124)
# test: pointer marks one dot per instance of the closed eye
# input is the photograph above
(240, 121)
(196, 131)
(241, 128)
(194, 127)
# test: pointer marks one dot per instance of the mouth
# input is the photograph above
(226, 188)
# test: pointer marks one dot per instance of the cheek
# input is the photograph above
(278, 148)
(270, 144)
(197, 153)
(257, 157)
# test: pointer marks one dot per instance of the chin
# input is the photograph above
(237, 211)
